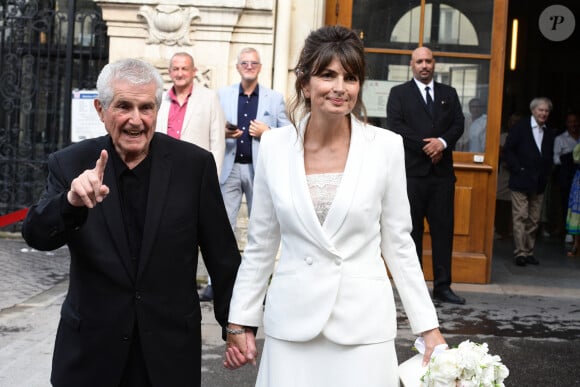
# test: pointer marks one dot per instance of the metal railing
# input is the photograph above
(47, 49)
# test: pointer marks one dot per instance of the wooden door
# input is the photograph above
(468, 41)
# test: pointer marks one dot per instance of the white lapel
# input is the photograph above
(342, 202)
(345, 193)
(301, 194)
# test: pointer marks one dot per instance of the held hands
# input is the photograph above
(432, 339)
(88, 188)
(240, 347)
(434, 149)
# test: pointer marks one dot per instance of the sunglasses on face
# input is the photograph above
(248, 64)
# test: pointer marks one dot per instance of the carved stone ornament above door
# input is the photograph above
(169, 24)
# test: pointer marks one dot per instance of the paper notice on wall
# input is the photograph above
(85, 122)
(375, 96)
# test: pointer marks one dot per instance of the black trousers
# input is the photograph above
(432, 198)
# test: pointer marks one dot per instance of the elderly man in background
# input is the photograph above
(528, 153)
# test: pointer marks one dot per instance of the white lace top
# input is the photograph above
(323, 188)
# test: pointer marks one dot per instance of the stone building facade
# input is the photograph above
(213, 32)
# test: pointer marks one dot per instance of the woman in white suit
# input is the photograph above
(332, 190)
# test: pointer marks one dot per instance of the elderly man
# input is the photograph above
(133, 219)
(528, 153)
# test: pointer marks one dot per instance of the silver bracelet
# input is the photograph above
(235, 331)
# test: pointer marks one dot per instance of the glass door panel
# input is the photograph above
(462, 26)
(459, 32)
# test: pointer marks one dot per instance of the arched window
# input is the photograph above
(454, 27)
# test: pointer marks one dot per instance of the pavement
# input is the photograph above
(530, 316)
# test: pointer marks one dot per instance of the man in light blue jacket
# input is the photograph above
(250, 110)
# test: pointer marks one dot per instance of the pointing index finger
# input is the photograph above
(101, 164)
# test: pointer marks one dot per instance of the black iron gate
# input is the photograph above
(43, 57)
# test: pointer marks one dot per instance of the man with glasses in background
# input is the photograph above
(250, 110)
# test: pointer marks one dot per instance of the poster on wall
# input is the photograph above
(85, 122)
(375, 96)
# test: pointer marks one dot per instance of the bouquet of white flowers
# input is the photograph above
(468, 365)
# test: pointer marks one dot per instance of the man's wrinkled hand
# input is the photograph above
(88, 189)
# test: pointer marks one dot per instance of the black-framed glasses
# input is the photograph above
(248, 63)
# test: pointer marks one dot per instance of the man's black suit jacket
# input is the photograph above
(106, 300)
(408, 116)
(529, 168)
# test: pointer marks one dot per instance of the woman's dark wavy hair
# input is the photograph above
(320, 48)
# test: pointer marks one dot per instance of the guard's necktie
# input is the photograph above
(429, 100)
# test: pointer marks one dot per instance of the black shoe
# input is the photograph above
(447, 295)
(521, 260)
(532, 260)
(206, 294)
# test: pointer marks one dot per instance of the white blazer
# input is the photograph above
(204, 122)
(331, 278)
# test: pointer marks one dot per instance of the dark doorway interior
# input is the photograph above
(544, 67)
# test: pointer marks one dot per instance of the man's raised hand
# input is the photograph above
(88, 188)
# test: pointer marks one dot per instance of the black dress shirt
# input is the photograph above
(247, 111)
(133, 191)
